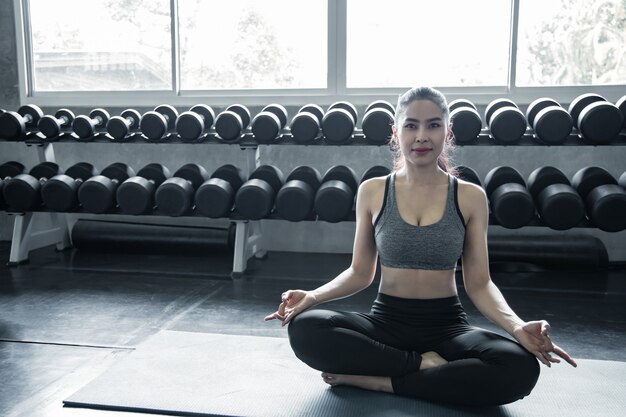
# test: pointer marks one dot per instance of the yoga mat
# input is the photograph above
(200, 374)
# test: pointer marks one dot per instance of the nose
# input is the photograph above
(420, 135)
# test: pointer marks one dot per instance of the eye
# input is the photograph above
(435, 125)
(410, 125)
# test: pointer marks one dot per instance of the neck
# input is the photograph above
(424, 176)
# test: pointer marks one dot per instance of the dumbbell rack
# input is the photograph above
(25, 238)
(248, 233)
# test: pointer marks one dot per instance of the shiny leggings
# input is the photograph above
(484, 368)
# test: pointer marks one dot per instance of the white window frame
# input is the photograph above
(336, 79)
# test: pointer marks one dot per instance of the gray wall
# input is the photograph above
(282, 235)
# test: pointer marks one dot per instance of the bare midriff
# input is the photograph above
(417, 283)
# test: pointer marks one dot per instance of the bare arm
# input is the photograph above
(358, 276)
(485, 294)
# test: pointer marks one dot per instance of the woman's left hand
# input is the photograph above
(533, 335)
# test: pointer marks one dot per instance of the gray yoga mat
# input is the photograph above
(200, 374)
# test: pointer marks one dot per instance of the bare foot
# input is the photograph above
(431, 359)
(372, 383)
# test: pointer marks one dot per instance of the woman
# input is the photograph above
(416, 340)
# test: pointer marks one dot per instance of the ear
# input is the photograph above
(394, 133)
(450, 134)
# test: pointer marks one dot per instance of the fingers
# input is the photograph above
(565, 356)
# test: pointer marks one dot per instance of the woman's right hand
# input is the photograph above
(293, 302)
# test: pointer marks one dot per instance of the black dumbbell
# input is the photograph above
(468, 174)
(551, 122)
(60, 193)
(86, 127)
(8, 170)
(597, 120)
(466, 123)
(621, 105)
(98, 194)
(335, 198)
(267, 125)
(13, 125)
(136, 194)
(510, 201)
(157, 123)
(377, 122)
(216, 197)
(295, 199)
(375, 171)
(230, 124)
(506, 122)
(120, 127)
(558, 204)
(23, 192)
(339, 122)
(192, 124)
(52, 126)
(604, 199)
(255, 199)
(175, 197)
(306, 125)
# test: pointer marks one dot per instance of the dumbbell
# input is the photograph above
(335, 198)
(98, 194)
(375, 171)
(466, 123)
(339, 122)
(157, 123)
(558, 204)
(13, 125)
(216, 197)
(23, 192)
(60, 193)
(621, 105)
(267, 125)
(468, 174)
(605, 200)
(120, 127)
(136, 194)
(597, 120)
(506, 122)
(230, 124)
(510, 201)
(192, 124)
(175, 197)
(52, 126)
(305, 126)
(294, 201)
(377, 122)
(255, 199)
(551, 122)
(86, 127)
(8, 170)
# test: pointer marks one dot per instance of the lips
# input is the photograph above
(421, 150)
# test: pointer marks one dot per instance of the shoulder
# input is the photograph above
(371, 191)
(471, 197)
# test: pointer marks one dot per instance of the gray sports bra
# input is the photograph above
(435, 246)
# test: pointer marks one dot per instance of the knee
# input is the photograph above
(304, 328)
(521, 371)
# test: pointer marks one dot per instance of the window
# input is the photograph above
(245, 44)
(100, 45)
(571, 42)
(400, 43)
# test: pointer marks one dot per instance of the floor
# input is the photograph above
(67, 316)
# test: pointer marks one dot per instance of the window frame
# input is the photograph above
(336, 77)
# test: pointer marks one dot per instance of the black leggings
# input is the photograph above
(484, 368)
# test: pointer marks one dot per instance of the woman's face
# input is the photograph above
(421, 133)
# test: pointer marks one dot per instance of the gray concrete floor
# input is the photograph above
(67, 316)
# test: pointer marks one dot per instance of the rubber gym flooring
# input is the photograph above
(66, 317)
